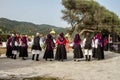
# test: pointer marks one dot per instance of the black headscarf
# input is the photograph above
(77, 38)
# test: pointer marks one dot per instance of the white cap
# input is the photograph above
(12, 35)
(37, 34)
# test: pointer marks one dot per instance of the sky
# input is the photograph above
(43, 11)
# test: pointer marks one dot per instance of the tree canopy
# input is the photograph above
(81, 14)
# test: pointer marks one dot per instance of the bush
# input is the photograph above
(3, 38)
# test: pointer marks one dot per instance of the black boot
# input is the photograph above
(46, 59)
(62, 60)
(23, 58)
(86, 57)
(74, 59)
(37, 57)
(51, 60)
(33, 56)
(89, 58)
(14, 56)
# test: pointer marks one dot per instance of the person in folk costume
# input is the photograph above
(24, 47)
(42, 41)
(61, 51)
(88, 44)
(53, 35)
(106, 44)
(32, 38)
(8, 47)
(49, 48)
(67, 44)
(99, 47)
(110, 42)
(20, 47)
(14, 45)
(36, 48)
(18, 40)
(94, 49)
(102, 47)
(77, 48)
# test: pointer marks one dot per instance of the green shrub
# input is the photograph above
(3, 38)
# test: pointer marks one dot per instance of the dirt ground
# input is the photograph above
(108, 69)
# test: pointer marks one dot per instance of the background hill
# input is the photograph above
(9, 26)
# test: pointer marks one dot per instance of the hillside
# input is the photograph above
(28, 28)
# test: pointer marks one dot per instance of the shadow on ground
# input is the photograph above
(34, 78)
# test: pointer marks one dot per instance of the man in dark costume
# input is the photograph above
(87, 43)
(14, 46)
(36, 48)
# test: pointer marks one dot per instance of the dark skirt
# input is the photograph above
(60, 53)
(9, 52)
(19, 49)
(110, 48)
(48, 54)
(78, 52)
(14, 47)
(106, 47)
(94, 52)
(36, 47)
(99, 53)
(23, 52)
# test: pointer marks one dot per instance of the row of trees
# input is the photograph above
(83, 14)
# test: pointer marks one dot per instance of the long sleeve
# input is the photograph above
(83, 43)
(96, 43)
(93, 43)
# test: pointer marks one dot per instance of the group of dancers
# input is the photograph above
(89, 47)
(17, 45)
